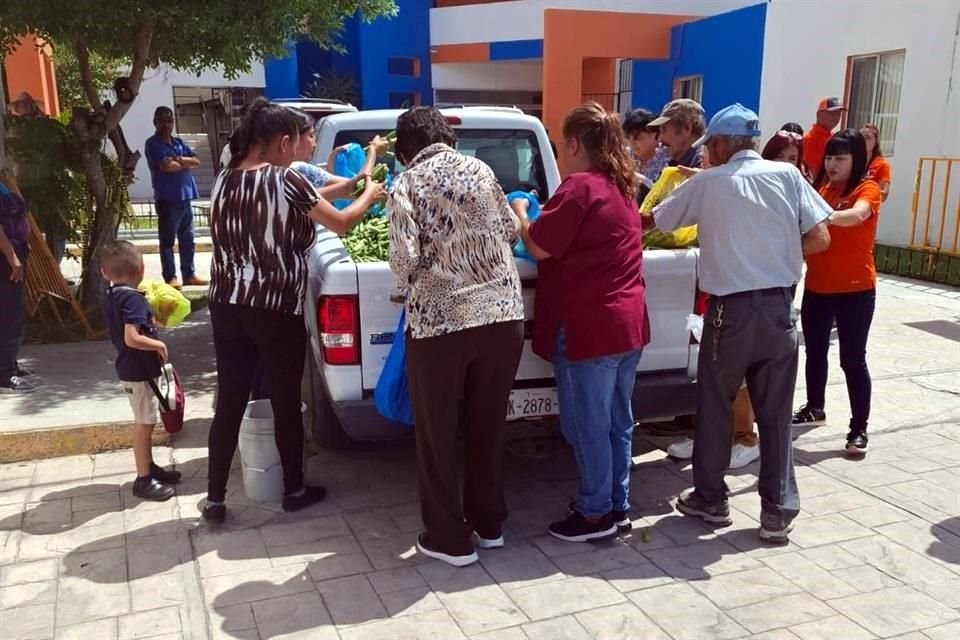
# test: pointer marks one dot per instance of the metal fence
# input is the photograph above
(142, 223)
(936, 206)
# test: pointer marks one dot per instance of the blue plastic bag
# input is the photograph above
(392, 395)
(347, 164)
(533, 211)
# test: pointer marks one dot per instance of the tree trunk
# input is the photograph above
(89, 133)
(90, 129)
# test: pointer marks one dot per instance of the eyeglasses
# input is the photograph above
(790, 134)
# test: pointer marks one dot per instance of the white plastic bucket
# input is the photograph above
(259, 458)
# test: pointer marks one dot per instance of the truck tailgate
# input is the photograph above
(671, 287)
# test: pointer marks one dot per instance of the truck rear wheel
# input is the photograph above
(325, 428)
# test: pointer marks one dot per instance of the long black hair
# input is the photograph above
(307, 124)
(846, 142)
(263, 122)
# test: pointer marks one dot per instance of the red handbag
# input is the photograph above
(170, 394)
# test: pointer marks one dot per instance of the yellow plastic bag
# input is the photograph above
(670, 178)
(168, 305)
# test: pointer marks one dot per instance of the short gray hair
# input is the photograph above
(742, 143)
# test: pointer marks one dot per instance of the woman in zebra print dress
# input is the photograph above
(262, 221)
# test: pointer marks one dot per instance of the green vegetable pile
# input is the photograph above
(369, 241)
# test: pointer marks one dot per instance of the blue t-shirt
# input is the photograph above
(126, 305)
(317, 176)
(176, 186)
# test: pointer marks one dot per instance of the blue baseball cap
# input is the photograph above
(735, 120)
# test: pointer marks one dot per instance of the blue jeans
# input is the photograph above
(12, 320)
(596, 417)
(175, 222)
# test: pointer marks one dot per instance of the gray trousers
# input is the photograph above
(750, 335)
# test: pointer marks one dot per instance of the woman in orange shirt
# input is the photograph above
(840, 285)
(879, 169)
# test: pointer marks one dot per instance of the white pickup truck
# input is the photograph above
(352, 309)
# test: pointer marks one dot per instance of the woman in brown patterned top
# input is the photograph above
(451, 232)
(262, 221)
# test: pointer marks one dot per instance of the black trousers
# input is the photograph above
(242, 337)
(468, 373)
(853, 315)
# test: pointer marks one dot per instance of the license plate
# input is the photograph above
(532, 403)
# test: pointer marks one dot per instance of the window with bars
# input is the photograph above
(874, 94)
(689, 87)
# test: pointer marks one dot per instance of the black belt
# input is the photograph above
(773, 291)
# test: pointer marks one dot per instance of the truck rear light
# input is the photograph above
(701, 301)
(453, 120)
(339, 325)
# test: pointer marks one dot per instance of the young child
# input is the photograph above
(139, 356)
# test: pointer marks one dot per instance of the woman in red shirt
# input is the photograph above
(590, 314)
(840, 286)
(879, 169)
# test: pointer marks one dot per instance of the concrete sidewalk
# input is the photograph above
(875, 553)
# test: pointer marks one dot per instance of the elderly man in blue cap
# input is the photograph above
(756, 219)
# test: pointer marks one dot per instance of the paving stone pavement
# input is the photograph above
(875, 553)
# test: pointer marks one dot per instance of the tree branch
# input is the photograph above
(86, 75)
(141, 52)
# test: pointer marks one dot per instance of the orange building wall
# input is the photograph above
(573, 41)
(599, 75)
(29, 68)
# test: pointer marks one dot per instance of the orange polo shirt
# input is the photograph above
(879, 170)
(814, 145)
(847, 266)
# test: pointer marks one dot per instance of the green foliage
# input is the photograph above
(47, 174)
(103, 71)
(189, 35)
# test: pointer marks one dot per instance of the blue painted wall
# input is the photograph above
(282, 75)
(726, 49)
(405, 36)
(367, 48)
(517, 50)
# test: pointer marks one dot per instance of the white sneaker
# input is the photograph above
(681, 450)
(741, 455)
(489, 543)
(456, 561)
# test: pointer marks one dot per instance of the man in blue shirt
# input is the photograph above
(170, 161)
(756, 219)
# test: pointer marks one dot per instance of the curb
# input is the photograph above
(203, 246)
(71, 441)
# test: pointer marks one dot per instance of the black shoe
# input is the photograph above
(457, 560)
(214, 513)
(149, 488)
(774, 529)
(622, 521)
(24, 372)
(164, 476)
(620, 518)
(310, 496)
(857, 443)
(807, 416)
(16, 384)
(577, 528)
(692, 504)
